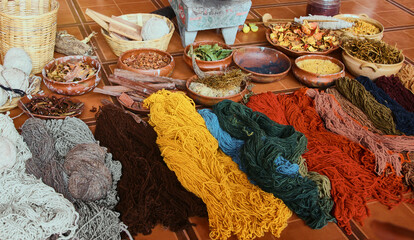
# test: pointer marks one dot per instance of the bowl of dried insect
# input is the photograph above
(72, 75)
(371, 58)
(50, 106)
(148, 61)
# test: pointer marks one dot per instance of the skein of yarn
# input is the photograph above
(234, 205)
(380, 115)
(394, 88)
(8, 153)
(348, 165)
(149, 192)
(404, 120)
(265, 141)
(406, 76)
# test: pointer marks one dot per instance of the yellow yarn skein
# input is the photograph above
(234, 205)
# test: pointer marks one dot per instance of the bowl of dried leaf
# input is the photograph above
(209, 55)
(72, 75)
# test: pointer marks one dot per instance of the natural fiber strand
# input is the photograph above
(348, 165)
(340, 123)
(404, 119)
(266, 142)
(234, 205)
(394, 88)
(353, 111)
(406, 76)
(149, 192)
(380, 115)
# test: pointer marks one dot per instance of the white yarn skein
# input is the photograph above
(3, 97)
(8, 153)
(154, 28)
(18, 58)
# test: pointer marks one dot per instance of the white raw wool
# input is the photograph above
(338, 24)
(18, 58)
(8, 153)
(3, 97)
(14, 78)
(154, 28)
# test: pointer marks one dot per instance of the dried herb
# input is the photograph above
(71, 72)
(147, 60)
(232, 78)
(362, 27)
(373, 51)
(211, 52)
(53, 106)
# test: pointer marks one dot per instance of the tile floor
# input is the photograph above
(396, 15)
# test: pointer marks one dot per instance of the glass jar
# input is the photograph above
(323, 7)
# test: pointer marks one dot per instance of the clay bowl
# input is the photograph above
(264, 64)
(358, 67)
(210, 101)
(26, 99)
(296, 54)
(364, 17)
(316, 80)
(165, 71)
(72, 88)
(208, 65)
(139, 109)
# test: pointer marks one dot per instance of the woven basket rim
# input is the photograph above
(54, 4)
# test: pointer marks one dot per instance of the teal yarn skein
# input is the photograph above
(265, 140)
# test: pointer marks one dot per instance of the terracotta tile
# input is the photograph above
(398, 18)
(138, 7)
(264, 2)
(410, 32)
(159, 232)
(103, 46)
(130, 1)
(401, 39)
(201, 229)
(378, 5)
(293, 218)
(75, 31)
(272, 87)
(65, 15)
(353, 7)
(182, 70)
(289, 1)
(290, 83)
(209, 35)
(384, 22)
(279, 12)
(299, 10)
(409, 53)
(299, 231)
(410, 207)
(400, 216)
(88, 3)
(252, 37)
(175, 45)
(164, 2)
(107, 10)
(406, 3)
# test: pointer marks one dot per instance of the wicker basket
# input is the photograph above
(35, 83)
(31, 25)
(119, 46)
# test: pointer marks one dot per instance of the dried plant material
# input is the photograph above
(89, 178)
(362, 27)
(54, 106)
(69, 45)
(306, 37)
(373, 51)
(71, 72)
(211, 52)
(147, 60)
(406, 75)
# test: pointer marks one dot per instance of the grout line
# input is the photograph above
(157, 4)
(401, 6)
(390, 29)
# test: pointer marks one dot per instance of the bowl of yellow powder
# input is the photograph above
(318, 70)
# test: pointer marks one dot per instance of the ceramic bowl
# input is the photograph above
(139, 109)
(264, 64)
(295, 54)
(26, 99)
(208, 65)
(72, 88)
(316, 80)
(210, 101)
(365, 18)
(358, 67)
(165, 71)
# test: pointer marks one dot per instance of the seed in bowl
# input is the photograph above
(319, 66)
(147, 60)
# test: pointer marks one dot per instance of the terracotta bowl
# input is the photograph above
(165, 71)
(140, 109)
(26, 99)
(295, 54)
(315, 80)
(72, 88)
(265, 64)
(210, 101)
(209, 65)
(365, 18)
(358, 67)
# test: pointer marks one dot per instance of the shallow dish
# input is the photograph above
(26, 99)
(165, 71)
(141, 110)
(72, 88)
(316, 80)
(210, 101)
(364, 17)
(218, 65)
(358, 67)
(295, 54)
(264, 64)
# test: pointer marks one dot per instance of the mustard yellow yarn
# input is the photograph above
(235, 206)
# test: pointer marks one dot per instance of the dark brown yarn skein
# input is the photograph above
(89, 178)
